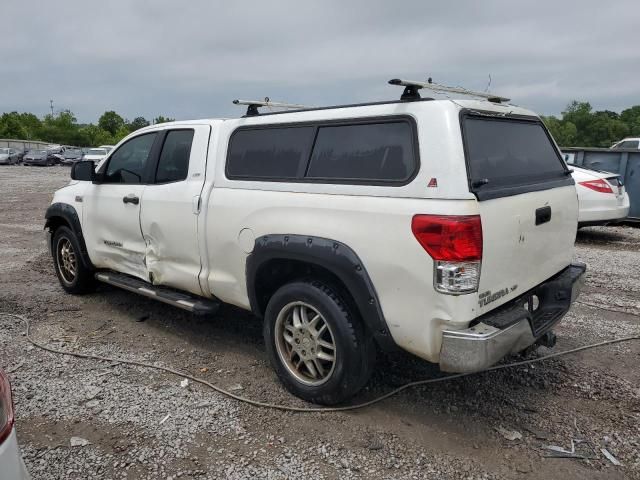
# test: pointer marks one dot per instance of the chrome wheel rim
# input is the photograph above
(305, 343)
(67, 261)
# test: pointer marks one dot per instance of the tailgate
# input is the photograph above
(527, 202)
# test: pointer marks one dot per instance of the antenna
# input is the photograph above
(253, 105)
(51, 104)
(411, 90)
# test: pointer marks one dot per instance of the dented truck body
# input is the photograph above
(168, 208)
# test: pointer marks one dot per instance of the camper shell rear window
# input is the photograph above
(510, 155)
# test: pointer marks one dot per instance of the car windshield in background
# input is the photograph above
(97, 151)
(510, 155)
(4, 151)
(72, 153)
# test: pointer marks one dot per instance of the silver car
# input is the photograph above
(8, 156)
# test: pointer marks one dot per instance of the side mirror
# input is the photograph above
(83, 171)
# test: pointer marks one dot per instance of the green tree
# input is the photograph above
(111, 122)
(11, 126)
(137, 124)
(161, 119)
(631, 117)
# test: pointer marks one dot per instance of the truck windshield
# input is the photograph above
(508, 156)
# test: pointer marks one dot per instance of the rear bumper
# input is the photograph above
(511, 328)
(602, 216)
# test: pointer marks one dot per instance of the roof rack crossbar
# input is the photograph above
(412, 87)
(253, 105)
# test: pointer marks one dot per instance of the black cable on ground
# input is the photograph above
(287, 408)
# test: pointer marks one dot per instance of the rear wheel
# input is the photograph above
(317, 346)
(73, 275)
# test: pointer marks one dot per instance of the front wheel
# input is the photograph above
(73, 275)
(316, 344)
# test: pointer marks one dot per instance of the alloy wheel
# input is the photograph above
(305, 343)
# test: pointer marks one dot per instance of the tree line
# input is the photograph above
(578, 126)
(64, 128)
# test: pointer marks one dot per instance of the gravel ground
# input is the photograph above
(79, 419)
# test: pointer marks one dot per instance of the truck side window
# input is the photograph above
(127, 164)
(276, 153)
(173, 164)
(376, 151)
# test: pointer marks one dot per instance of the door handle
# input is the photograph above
(131, 198)
(543, 215)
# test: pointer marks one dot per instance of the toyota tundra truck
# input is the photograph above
(442, 227)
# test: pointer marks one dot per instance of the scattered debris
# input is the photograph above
(236, 387)
(79, 442)
(204, 370)
(511, 435)
(610, 457)
(165, 418)
(184, 383)
(92, 392)
(559, 452)
(13, 369)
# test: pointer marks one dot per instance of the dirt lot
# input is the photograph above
(141, 423)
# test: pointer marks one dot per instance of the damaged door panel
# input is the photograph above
(111, 212)
(170, 209)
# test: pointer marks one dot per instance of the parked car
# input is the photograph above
(108, 148)
(9, 156)
(601, 196)
(39, 157)
(95, 154)
(11, 463)
(71, 156)
(21, 153)
(444, 228)
(632, 143)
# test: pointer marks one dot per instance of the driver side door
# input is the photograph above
(111, 210)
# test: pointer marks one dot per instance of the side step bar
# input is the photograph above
(193, 304)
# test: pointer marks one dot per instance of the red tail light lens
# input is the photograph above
(598, 185)
(6, 407)
(448, 237)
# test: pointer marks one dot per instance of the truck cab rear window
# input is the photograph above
(510, 156)
(363, 152)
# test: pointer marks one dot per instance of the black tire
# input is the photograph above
(81, 280)
(354, 353)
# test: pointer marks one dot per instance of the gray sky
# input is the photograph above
(189, 59)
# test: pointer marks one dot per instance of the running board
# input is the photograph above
(191, 303)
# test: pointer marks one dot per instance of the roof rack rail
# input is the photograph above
(411, 90)
(253, 105)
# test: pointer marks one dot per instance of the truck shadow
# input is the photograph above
(231, 342)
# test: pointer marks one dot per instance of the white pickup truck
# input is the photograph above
(444, 228)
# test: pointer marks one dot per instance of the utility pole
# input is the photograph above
(51, 103)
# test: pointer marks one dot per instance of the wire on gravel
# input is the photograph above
(289, 408)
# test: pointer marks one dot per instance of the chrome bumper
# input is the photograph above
(511, 328)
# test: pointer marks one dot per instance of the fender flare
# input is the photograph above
(70, 216)
(334, 256)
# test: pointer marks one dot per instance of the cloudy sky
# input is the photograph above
(189, 59)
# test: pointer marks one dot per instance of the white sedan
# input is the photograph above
(601, 196)
(11, 464)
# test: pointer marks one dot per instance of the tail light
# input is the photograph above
(455, 244)
(598, 185)
(6, 407)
